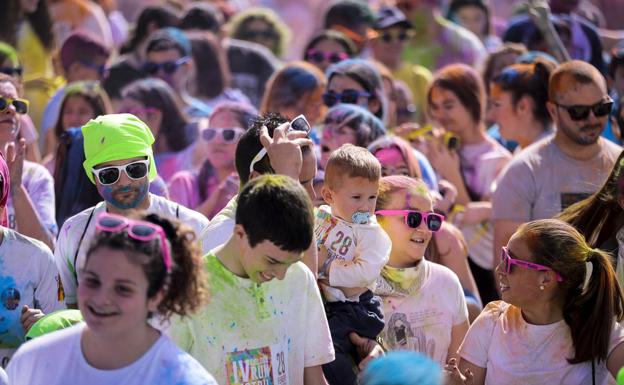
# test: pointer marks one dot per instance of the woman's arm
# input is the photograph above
(615, 361)
(457, 336)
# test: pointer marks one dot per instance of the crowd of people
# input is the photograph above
(310, 192)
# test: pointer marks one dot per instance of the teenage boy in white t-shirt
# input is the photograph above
(120, 162)
(257, 329)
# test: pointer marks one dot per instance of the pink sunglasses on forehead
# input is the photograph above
(139, 230)
(508, 261)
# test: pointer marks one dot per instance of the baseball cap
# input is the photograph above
(390, 17)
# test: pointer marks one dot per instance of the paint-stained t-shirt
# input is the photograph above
(70, 249)
(515, 352)
(252, 333)
(57, 359)
(421, 305)
(28, 276)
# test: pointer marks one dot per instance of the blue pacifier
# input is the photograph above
(361, 218)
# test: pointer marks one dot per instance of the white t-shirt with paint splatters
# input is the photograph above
(252, 334)
(356, 253)
(57, 359)
(28, 276)
(517, 353)
(69, 260)
(421, 305)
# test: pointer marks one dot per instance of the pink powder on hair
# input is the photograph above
(390, 156)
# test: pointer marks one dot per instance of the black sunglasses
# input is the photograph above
(349, 96)
(388, 37)
(12, 71)
(169, 66)
(582, 112)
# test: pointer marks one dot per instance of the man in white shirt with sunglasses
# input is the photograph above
(120, 162)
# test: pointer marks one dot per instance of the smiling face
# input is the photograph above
(408, 244)
(112, 294)
(581, 132)
(521, 286)
(126, 193)
(265, 261)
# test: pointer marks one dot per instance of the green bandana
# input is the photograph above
(115, 137)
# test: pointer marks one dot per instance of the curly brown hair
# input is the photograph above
(184, 286)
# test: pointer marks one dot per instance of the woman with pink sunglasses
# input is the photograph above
(423, 302)
(210, 187)
(134, 269)
(559, 320)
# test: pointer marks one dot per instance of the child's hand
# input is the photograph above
(367, 349)
(454, 376)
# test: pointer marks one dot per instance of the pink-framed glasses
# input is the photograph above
(507, 261)
(139, 230)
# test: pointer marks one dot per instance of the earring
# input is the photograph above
(541, 287)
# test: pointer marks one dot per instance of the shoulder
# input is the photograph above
(50, 345)
(27, 246)
(183, 177)
(176, 210)
(611, 149)
(494, 312)
(534, 154)
(180, 367)
(80, 219)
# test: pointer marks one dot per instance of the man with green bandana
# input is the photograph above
(120, 162)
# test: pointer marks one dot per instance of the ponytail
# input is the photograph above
(591, 308)
(184, 289)
(592, 298)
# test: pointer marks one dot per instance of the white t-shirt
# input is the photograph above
(251, 334)
(40, 187)
(356, 253)
(515, 352)
(69, 260)
(57, 359)
(28, 276)
(221, 227)
(421, 306)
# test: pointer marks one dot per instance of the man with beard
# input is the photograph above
(120, 162)
(563, 168)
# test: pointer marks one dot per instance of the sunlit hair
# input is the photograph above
(570, 74)
(390, 185)
(367, 126)
(598, 216)
(350, 161)
(239, 23)
(529, 80)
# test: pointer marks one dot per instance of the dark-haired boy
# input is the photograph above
(257, 329)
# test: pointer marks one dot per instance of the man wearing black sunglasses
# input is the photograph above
(566, 167)
(394, 33)
(120, 162)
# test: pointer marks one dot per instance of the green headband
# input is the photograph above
(114, 137)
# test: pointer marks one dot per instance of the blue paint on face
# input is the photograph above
(140, 192)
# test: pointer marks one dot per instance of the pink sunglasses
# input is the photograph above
(140, 230)
(508, 261)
